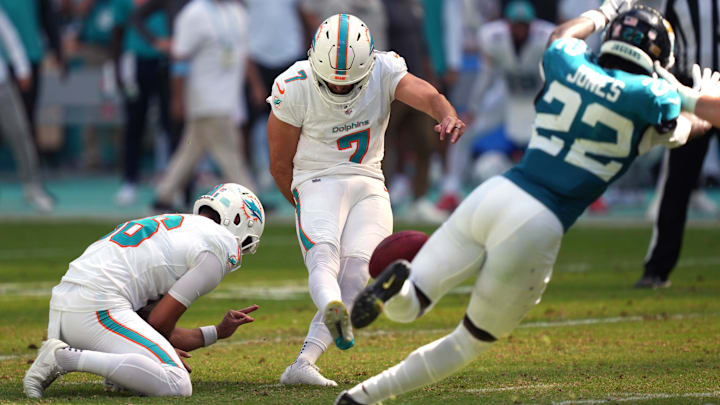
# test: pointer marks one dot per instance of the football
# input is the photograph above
(400, 245)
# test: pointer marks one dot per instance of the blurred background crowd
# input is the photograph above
(93, 106)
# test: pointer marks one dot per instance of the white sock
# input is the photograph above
(404, 306)
(67, 358)
(353, 277)
(132, 371)
(323, 263)
(426, 365)
(310, 352)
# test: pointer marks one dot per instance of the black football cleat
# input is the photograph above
(652, 282)
(345, 399)
(369, 303)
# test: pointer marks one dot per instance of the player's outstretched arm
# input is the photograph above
(283, 139)
(703, 99)
(422, 96)
(199, 280)
(165, 315)
(707, 83)
(590, 21)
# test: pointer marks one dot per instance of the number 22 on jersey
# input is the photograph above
(133, 233)
(593, 114)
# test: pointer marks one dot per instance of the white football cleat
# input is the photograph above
(423, 211)
(44, 369)
(127, 195)
(337, 320)
(39, 198)
(304, 372)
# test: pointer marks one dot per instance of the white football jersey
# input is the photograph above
(332, 141)
(141, 260)
(520, 69)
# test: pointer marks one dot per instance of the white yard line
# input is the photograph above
(504, 389)
(382, 332)
(638, 397)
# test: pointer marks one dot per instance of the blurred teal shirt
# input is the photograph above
(24, 16)
(434, 34)
(157, 24)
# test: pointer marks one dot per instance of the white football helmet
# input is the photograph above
(240, 211)
(342, 53)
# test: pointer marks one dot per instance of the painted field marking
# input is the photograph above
(504, 389)
(638, 397)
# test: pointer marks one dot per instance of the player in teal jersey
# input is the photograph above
(593, 117)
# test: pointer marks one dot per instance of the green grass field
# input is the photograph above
(593, 339)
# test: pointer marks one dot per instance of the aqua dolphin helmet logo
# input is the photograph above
(255, 211)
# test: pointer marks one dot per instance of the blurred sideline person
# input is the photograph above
(677, 189)
(277, 33)
(511, 49)
(14, 126)
(593, 118)
(142, 79)
(371, 12)
(167, 261)
(210, 51)
(326, 135)
(32, 19)
(412, 142)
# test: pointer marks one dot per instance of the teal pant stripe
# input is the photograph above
(113, 326)
(307, 243)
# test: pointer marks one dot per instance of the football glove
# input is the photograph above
(607, 12)
(706, 81)
(611, 8)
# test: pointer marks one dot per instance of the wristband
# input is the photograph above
(689, 99)
(597, 17)
(209, 334)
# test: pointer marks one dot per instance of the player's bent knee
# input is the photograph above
(324, 256)
(476, 332)
(179, 381)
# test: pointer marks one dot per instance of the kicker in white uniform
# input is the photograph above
(326, 138)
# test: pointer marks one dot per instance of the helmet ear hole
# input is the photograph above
(237, 219)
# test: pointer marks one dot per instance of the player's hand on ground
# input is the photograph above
(452, 126)
(234, 318)
(706, 81)
(183, 354)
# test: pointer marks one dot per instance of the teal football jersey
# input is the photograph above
(588, 124)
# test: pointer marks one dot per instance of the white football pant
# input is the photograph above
(120, 346)
(339, 222)
(502, 236)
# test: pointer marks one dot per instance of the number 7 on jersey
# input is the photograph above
(361, 139)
